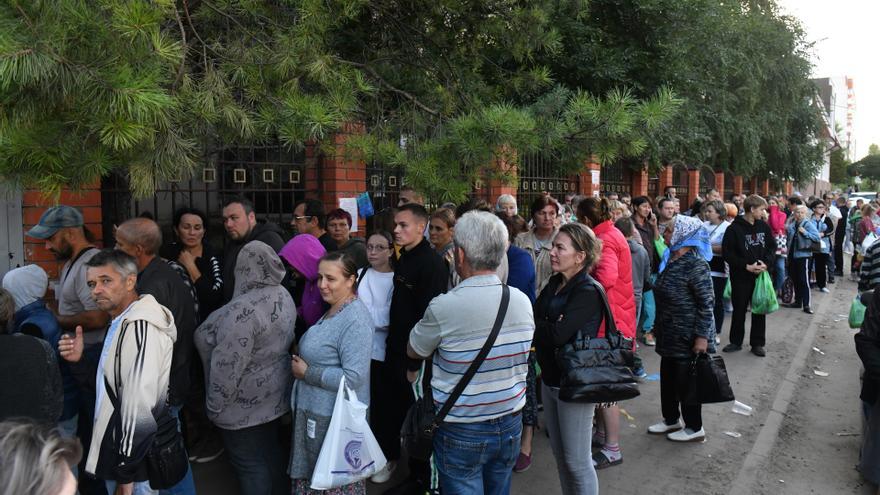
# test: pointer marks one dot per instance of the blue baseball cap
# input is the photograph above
(54, 219)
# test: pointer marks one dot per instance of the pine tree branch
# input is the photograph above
(196, 33)
(185, 49)
(413, 99)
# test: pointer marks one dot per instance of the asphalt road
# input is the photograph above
(803, 436)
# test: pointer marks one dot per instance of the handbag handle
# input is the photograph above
(612, 334)
(475, 364)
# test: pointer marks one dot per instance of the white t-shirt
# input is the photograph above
(375, 292)
(74, 295)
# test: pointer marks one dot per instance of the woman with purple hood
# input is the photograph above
(301, 254)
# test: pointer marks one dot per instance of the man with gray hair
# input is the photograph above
(486, 416)
(132, 373)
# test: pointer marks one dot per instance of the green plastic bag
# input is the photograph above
(764, 296)
(727, 290)
(856, 313)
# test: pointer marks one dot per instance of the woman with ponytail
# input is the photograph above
(614, 273)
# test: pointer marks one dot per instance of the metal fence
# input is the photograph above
(616, 177)
(272, 177)
(538, 175)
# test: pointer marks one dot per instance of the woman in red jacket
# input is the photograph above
(614, 272)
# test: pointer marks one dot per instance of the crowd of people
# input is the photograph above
(242, 349)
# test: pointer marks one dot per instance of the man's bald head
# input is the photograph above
(141, 232)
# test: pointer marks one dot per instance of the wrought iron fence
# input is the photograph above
(538, 175)
(272, 177)
(383, 185)
(616, 177)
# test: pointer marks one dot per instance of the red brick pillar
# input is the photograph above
(737, 184)
(33, 204)
(639, 182)
(764, 187)
(787, 187)
(754, 185)
(342, 174)
(591, 171)
(719, 184)
(502, 178)
(665, 179)
(693, 187)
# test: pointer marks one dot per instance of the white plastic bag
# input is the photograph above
(869, 239)
(350, 452)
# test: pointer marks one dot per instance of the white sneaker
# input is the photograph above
(662, 428)
(717, 340)
(824, 289)
(385, 473)
(687, 435)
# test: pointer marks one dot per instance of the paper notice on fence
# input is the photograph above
(351, 206)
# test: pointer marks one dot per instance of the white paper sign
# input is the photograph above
(594, 175)
(351, 206)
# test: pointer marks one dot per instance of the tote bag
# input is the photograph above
(350, 452)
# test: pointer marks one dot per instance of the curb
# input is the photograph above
(761, 450)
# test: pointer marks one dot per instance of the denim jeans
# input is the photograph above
(649, 309)
(255, 454)
(477, 458)
(570, 425)
(779, 272)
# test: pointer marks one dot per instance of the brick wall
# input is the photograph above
(33, 204)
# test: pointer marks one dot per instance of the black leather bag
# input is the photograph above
(421, 420)
(708, 382)
(597, 370)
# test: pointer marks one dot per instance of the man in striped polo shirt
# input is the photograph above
(476, 447)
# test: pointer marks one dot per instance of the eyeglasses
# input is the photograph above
(378, 249)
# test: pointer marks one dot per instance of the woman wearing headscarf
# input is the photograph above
(868, 348)
(776, 219)
(301, 254)
(685, 324)
(244, 347)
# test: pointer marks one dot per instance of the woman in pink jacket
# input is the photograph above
(614, 272)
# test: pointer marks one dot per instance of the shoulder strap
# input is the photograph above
(73, 262)
(610, 326)
(362, 275)
(481, 356)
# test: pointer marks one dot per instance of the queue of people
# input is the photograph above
(242, 350)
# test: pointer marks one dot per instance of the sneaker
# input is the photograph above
(731, 348)
(687, 435)
(717, 340)
(207, 451)
(640, 373)
(523, 463)
(649, 339)
(384, 474)
(824, 290)
(662, 428)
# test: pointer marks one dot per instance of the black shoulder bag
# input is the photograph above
(421, 421)
(708, 382)
(597, 370)
(166, 460)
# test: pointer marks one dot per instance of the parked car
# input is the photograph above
(853, 197)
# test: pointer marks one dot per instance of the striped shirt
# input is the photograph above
(456, 325)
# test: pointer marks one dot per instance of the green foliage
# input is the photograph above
(839, 167)
(152, 88)
(874, 149)
(868, 167)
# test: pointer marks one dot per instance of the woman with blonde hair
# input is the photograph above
(36, 460)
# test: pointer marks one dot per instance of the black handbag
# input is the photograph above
(166, 460)
(597, 370)
(708, 382)
(421, 421)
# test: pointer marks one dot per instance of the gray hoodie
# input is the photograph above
(245, 344)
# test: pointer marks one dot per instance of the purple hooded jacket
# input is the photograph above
(303, 253)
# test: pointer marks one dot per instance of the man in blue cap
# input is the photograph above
(61, 227)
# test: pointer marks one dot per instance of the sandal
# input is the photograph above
(601, 461)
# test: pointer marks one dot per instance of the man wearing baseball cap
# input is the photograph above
(61, 227)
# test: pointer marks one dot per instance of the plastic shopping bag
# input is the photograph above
(727, 290)
(764, 296)
(350, 452)
(856, 313)
(868, 240)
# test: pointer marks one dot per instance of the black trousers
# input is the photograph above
(800, 275)
(390, 398)
(820, 262)
(741, 295)
(673, 385)
(718, 284)
(838, 252)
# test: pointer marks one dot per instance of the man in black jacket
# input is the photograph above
(241, 226)
(141, 239)
(748, 248)
(420, 275)
(840, 236)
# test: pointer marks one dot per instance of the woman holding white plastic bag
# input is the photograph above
(331, 349)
